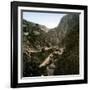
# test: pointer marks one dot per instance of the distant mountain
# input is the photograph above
(57, 35)
(65, 26)
(44, 28)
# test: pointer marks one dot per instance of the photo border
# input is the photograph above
(14, 43)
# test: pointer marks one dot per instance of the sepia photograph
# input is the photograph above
(50, 43)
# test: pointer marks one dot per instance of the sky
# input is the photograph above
(50, 20)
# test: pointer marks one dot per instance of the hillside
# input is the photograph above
(69, 61)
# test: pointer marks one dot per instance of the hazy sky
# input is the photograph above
(50, 20)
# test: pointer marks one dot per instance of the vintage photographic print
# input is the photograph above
(48, 44)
